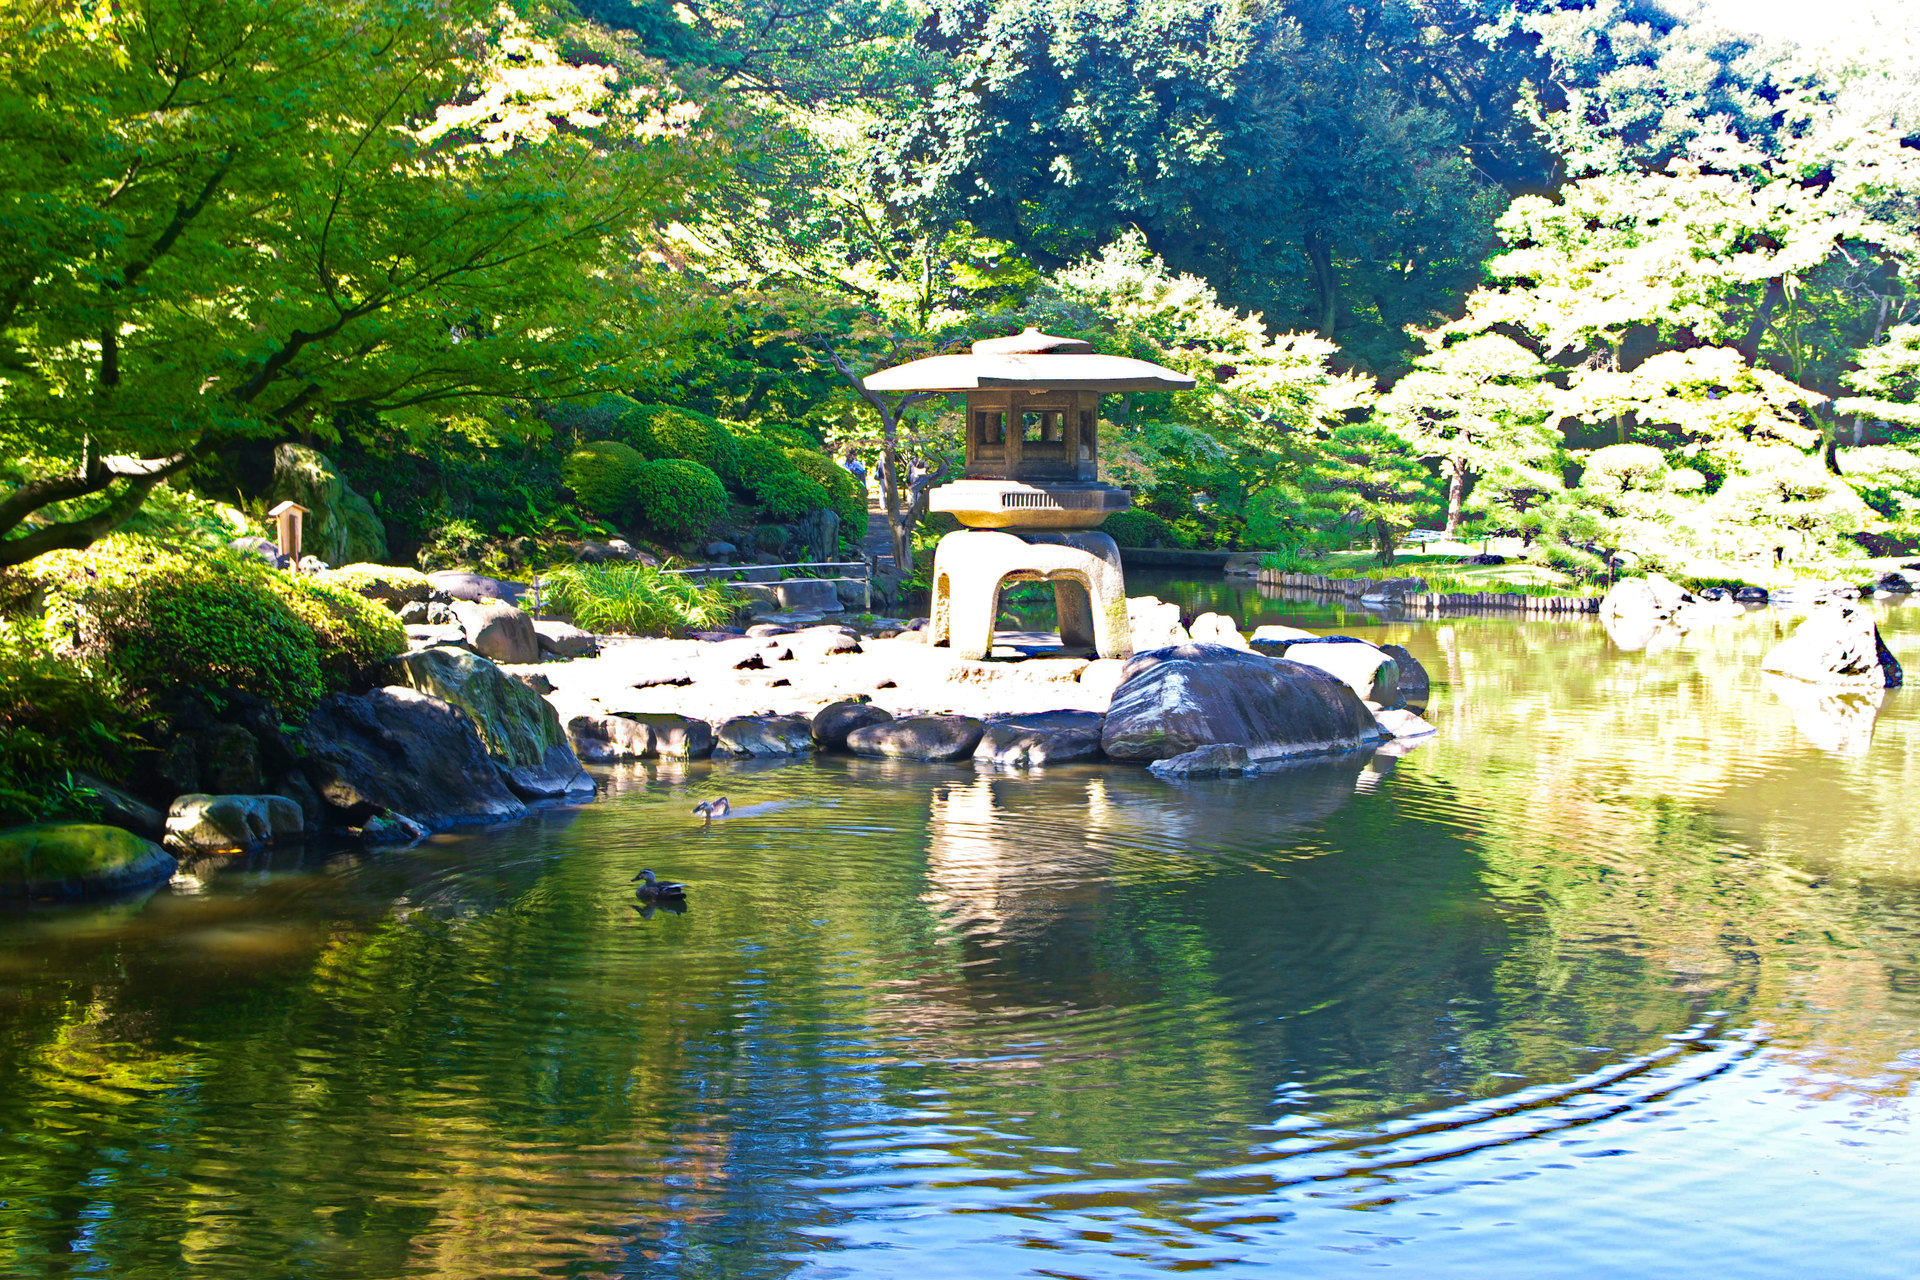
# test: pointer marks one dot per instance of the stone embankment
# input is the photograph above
(1412, 595)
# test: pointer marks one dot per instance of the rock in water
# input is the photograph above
(764, 736)
(672, 737)
(521, 730)
(498, 631)
(1366, 669)
(1641, 602)
(231, 824)
(340, 527)
(832, 723)
(602, 739)
(400, 750)
(1838, 644)
(1220, 760)
(1174, 700)
(1416, 688)
(918, 738)
(1034, 741)
(78, 860)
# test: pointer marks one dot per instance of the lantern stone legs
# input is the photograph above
(1089, 591)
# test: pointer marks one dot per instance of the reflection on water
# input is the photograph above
(1615, 976)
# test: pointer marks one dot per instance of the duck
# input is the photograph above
(654, 890)
(711, 809)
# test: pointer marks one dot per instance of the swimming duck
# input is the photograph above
(654, 889)
(711, 809)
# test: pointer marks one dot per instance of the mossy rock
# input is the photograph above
(78, 860)
(391, 585)
(521, 730)
(340, 526)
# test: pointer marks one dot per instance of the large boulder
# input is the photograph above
(808, 595)
(764, 736)
(1367, 669)
(78, 860)
(498, 631)
(1639, 601)
(602, 739)
(564, 640)
(1416, 687)
(340, 526)
(919, 738)
(198, 823)
(673, 737)
(521, 730)
(401, 750)
(1044, 738)
(1838, 644)
(118, 807)
(455, 585)
(1174, 700)
(833, 722)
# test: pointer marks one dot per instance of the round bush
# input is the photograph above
(167, 621)
(1138, 528)
(678, 501)
(849, 495)
(754, 458)
(788, 495)
(1621, 467)
(356, 635)
(665, 431)
(605, 477)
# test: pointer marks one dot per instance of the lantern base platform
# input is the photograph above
(1017, 504)
(1089, 589)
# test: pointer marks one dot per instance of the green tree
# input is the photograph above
(249, 218)
(1365, 476)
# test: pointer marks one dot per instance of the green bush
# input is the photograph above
(605, 477)
(678, 501)
(165, 620)
(57, 715)
(1143, 529)
(634, 599)
(849, 496)
(668, 431)
(388, 583)
(787, 495)
(356, 635)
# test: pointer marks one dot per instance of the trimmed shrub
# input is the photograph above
(849, 496)
(668, 431)
(389, 584)
(356, 635)
(1138, 528)
(605, 477)
(787, 495)
(677, 501)
(165, 621)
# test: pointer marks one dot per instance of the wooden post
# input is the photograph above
(289, 516)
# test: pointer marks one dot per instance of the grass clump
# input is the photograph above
(636, 599)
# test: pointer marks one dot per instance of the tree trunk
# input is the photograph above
(903, 499)
(1456, 495)
(1383, 537)
(1326, 284)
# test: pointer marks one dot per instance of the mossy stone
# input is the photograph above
(77, 859)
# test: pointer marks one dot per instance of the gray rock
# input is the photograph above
(766, 631)
(1416, 689)
(1274, 633)
(1402, 723)
(521, 730)
(392, 829)
(405, 751)
(919, 738)
(601, 739)
(764, 736)
(1217, 628)
(118, 807)
(1023, 743)
(1217, 760)
(1174, 700)
(455, 585)
(807, 595)
(198, 823)
(1837, 644)
(498, 631)
(538, 681)
(78, 860)
(564, 640)
(604, 552)
(229, 760)
(1751, 595)
(1366, 669)
(722, 550)
(416, 613)
(340, 526)
(672, 737)
(832, 723)
(1650, 599)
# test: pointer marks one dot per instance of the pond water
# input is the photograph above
(1618, 976)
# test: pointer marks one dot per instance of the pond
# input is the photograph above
(1617, 976)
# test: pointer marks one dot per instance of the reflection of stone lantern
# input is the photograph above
(1032, 493)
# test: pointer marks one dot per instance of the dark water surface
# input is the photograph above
(1618, 977)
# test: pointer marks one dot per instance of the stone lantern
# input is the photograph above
(1031, 496)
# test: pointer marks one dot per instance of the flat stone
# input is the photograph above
(833, 722)
(762, 736)
(78, 860)
(1402, 723)
(1216, 760)
(919, 738)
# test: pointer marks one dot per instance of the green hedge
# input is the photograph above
(605, 477)
(670, 432)
(678, 501)
(1138, 528)
(849, 495)
(787, 495)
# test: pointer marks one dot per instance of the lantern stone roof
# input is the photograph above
(1029, 361)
